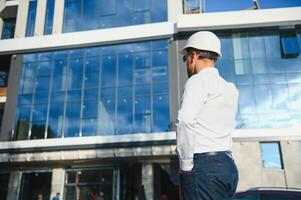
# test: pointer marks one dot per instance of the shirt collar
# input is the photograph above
(211, 70)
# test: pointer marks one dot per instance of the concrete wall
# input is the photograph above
(291, 151)
(247, 156)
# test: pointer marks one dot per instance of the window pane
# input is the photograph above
(75, 74)
(22, 122)
(74, 95)
(31, 18)
(107, 7)
(39, 112)
(49, 17)
(106, 116)
(92, 63)
(160, 113)
(91, 14)
(143, 118)
(72, 119)
(160, 74)
(55, 124)
(72, 16)
(160, 58)
(246, 100)
(25, 99)
(141, 5)
(125, 70)
(91, 80)
(263, 99)
(27, 82)
(295, 96)
(290, 43)
(158, 11)
(108, 77)
(41, 97)
(270, 155)
(42, 84)
(35, 185)
(4, 180)
(38, 130)
(44, 69)
(280, 97)
(96, 14)
(8, 30)
(89, 127)
(124, 115)
(90, 109)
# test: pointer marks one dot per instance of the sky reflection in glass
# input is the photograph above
(95, 91)
(80, 15)
(269, 84)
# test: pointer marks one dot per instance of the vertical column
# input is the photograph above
(21, 19)
(14, 184)
(177, 77)
(58, 16)
(40, 17)
(148, 180)
(1, 27)
(57, 183)
(11, 101)
(174, 8)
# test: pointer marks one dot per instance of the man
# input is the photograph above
(57, 196)
(205, 123)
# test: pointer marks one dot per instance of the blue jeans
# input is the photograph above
(213, 177)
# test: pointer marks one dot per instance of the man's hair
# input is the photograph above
(203, 53)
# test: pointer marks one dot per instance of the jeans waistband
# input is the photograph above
(213, 153)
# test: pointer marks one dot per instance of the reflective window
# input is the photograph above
(4, 180)
(49, 17)
(80, 15)
(91, 184)
(197, 6)
(117, 89)
(31, 18)
(290, 46)
(35, 185)
(271, 155)
(268, 82)
(8, 30)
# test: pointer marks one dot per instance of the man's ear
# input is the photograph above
(193, 55)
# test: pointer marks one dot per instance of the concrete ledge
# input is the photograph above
(239, 19)
(137, 140)
(88, 38)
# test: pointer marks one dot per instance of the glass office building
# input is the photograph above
(94, 89)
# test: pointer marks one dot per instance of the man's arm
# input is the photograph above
(193, 100)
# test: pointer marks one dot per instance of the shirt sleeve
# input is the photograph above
(193, 99)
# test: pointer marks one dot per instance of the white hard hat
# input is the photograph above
(204, 40)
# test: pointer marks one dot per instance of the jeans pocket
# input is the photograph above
(224, 183)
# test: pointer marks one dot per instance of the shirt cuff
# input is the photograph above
(186, 165)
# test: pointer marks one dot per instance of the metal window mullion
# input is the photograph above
(32, 103)
(65, 97)
(99, 91)
(116, 92)
(82, 15)
(151, 90)
(49, 97)
(82, 95)
(133, 89)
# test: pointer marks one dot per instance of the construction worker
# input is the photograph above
(205, 123)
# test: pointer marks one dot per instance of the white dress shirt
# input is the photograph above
(206, 118)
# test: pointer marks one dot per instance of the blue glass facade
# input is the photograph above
(31, 18)
(49, 17)
(80, 15)
(268, 81)
(104, 90)
(196, 6)
(8, 30)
